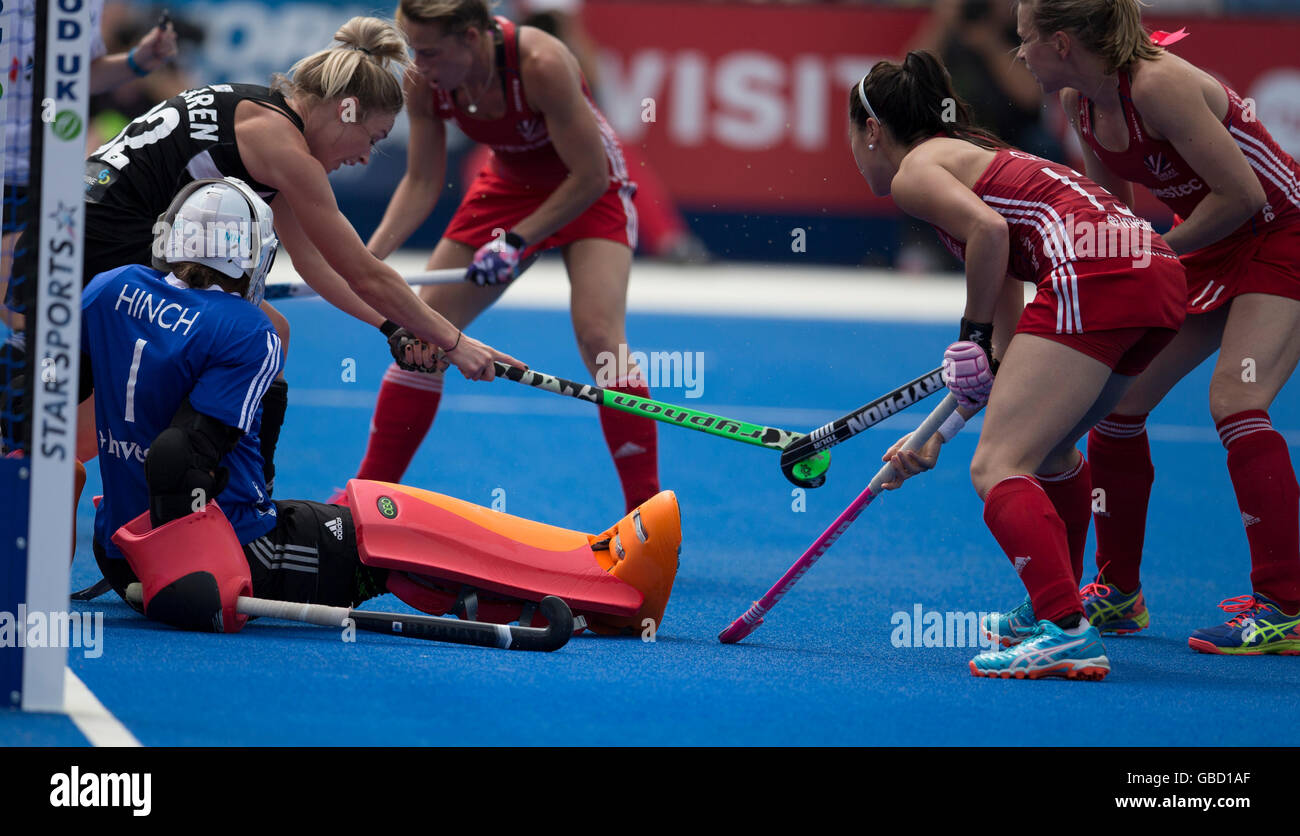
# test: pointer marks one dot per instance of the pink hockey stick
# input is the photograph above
(753, 617)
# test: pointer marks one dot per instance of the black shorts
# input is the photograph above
(309, 557)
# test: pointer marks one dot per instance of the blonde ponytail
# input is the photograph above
(366, 62)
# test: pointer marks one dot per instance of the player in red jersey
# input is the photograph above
(1110, 296)
(556, 178)
(1146, 116)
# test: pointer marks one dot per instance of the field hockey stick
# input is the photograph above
(859, 420)
(553, 636)
(772, 438)
(298, 290)
(449, 275)
(753, 617)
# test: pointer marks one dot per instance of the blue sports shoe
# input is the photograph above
(1010, 628)
(1111, 611)
(1258, 627)
(1050, 651)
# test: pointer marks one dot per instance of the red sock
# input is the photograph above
(1023, 521)
(634, 443)
(403, 414)
(1071, 496)
(1120, 459)
(1269, 499)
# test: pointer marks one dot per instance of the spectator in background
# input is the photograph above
(124, 24)
(662, 232)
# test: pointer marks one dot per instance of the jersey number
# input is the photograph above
(130, 379)
(155, 125)
(1119, 206)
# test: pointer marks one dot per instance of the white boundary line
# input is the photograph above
(786, 291)
(91, 717)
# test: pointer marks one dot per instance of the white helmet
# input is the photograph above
(222, 224)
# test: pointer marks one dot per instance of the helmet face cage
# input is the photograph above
(254, 253)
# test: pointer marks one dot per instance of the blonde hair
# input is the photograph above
(361, 64)
(455, 16)
(1110, 28)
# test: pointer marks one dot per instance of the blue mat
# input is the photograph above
(822, 670)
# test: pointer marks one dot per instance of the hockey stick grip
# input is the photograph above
(917, 440)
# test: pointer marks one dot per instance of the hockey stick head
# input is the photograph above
(558, 630)
(809, 472)
(739, 629)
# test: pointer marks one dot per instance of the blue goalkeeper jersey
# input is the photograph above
(152, 341)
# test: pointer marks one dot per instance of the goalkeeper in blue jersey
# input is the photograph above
(180, 361)
(180, 358)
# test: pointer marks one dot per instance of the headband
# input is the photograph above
(862, 94)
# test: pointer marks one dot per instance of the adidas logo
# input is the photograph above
(1248, 519)
(335, 527)
(628, 449)
(1021, 563)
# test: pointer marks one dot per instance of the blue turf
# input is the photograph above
(821, 671)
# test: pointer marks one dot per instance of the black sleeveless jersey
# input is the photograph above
(132, 179)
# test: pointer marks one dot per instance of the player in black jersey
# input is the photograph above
(329, 111)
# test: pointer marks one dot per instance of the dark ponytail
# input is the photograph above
(916, 101)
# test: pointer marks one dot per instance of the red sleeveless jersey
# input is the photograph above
(1105, 267)
(521, 144)
(1157, 165)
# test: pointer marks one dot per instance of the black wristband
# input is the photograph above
(389, 327)
(516, 240)
(980, 333)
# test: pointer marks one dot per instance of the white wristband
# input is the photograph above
(952, 426)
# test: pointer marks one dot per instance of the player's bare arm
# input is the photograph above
(1173, 104)
(280, 158)
(926, 190)
(553, 87)
(311, 265)
(426, 164)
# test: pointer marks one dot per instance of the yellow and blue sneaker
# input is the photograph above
(1076, 653)
(1011, 627)
(1258, 627)
(1112, 611)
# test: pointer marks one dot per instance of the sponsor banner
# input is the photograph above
(61, 119)
(741, 108)
(745, 107)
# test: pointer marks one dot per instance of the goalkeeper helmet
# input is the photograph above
(222, 224)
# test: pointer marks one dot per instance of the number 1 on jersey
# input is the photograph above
(130, 379)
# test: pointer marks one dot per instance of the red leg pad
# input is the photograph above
(442, 543)
(193, 569)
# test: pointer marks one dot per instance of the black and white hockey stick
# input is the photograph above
(859, 420)
(553, 636)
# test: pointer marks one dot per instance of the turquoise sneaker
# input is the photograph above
(1050, 651)
(1010, 628)
(1258, 627)
(1111, 611)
